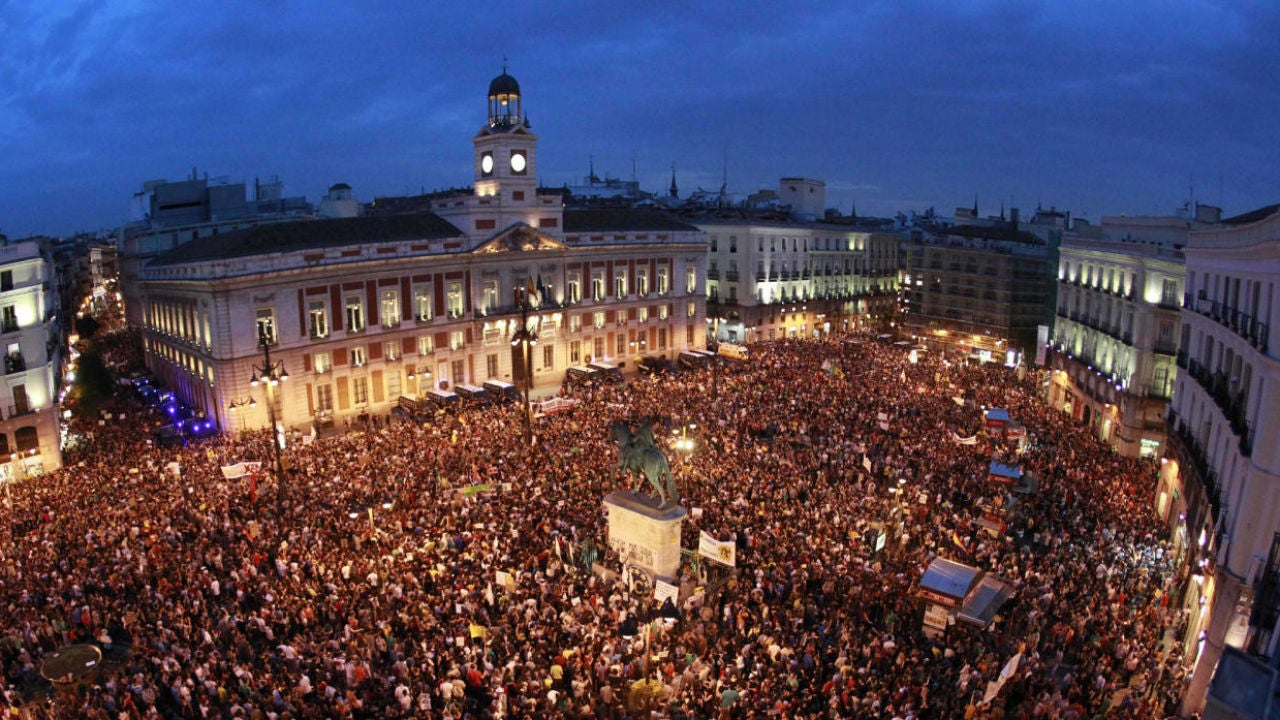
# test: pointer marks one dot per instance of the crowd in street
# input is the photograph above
(434, 570)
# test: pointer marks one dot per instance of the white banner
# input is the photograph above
(713, 549)
(663, 590)
(963, 440)
(240, 469)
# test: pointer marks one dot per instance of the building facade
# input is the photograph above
(769, 279)
(975, 289)
(30, 440)
(164, 215)
(1219, 485)
(361, 311)
(1115, 336)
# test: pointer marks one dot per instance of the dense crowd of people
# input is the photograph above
(436, 570)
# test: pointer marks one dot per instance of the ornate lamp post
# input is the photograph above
(525, 339)
(271, 374)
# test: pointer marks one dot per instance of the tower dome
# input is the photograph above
(504, 101)
(504, 84)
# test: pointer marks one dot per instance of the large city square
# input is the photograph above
(435, 570)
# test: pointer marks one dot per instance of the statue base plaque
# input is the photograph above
(645, 535)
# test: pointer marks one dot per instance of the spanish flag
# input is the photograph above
(955, 538)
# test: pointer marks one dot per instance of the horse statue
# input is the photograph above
(638, 452)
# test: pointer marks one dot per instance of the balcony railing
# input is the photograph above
(1242, 324)
(1165, 348)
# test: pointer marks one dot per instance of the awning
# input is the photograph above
(947, 582)
(985, 601)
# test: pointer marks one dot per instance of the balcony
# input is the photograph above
(14, 362)
(1242, 324)
(1202, 481)
(713, 273)
(731, 275)
(1165, 347)
(9, 326)
(1234, 407)
(19, 410)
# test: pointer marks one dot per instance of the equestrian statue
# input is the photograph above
(638, 452)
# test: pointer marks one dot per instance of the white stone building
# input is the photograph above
(1116, 329)
(776, 278)
(1219, 486)
(363, 310)
(30, 443)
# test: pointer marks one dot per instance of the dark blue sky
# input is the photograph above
(1097, 107)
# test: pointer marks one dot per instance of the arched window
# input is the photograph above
(26, 439)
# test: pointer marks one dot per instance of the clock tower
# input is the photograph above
(505, 149)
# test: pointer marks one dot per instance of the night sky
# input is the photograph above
(1095, 107)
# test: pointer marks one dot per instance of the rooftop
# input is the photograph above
(311, 235)
(620, 219)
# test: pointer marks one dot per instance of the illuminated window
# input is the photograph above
(664, 283)
(597, 319)
(391, 350)
(355, 313)
(454, 300)
(620, 284)
(266, 321)
(318, 319)
(597, 285)
(359, 357)
(573, 293)
(360, 390)
(426, 344)
(575, 352)
(457, 339)
(322, 363)
(422, 310)
(691, 280)
(575, 322)
(642, 282)
(390, 308)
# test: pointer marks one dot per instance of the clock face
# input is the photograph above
(517, 162)
(486, 163)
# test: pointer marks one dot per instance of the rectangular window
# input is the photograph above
(457, 339)
(548, 357)
(597, 285)
(573, 293)
(664, 310)
(458, 368)
(691, 280)
(6, 280)
(360, 390)
(599, 348)
(642, 282)
(491, 365)
(322, 363)
(693, 309)
(620, 284)
(663, 281)
(391, 350)
(662, 338)
(688, 335)
(597, 319)
(318, 319)
(575, 323)
(575, 352)
(642, 314)
(455, 300)
(266, 320)
(1169, 293)
(490, 297)
(324, 398)
(355, 313)
(359, 356)
(390, 308)
(426, 344)
(620, 346)
(422, 310)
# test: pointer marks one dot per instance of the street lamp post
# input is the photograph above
(525, 339)
(271, 374)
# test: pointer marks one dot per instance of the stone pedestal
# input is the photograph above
(645, 535)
